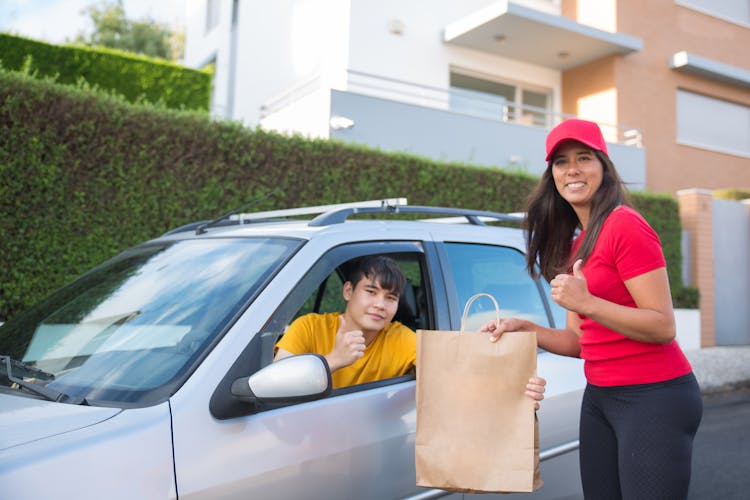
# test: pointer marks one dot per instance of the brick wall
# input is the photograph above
(697, 219)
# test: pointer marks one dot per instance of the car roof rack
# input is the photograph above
(231, 218)
(338, 213)
(385, 204)
(475, 217)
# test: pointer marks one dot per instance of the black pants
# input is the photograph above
(637, 440)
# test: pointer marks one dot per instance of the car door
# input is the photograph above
(470, 268)
(356, 443)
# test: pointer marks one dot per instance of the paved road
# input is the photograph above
(721, 453)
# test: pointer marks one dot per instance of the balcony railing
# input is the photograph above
(456, 100)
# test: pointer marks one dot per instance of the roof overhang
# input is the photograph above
(710, 69)
(516, 32)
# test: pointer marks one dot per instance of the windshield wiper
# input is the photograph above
(40, 390)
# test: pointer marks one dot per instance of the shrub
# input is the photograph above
(87, 174)
(137, 78)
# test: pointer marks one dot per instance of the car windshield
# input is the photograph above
(131, 329)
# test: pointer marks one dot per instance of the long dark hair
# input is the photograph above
(551, 222)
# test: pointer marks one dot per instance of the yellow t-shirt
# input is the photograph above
(392, 353)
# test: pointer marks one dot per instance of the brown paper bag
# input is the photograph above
(476, 429)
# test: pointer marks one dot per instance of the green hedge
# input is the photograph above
(86, 175)
(732, 194)
(663, 213)
(132, 76)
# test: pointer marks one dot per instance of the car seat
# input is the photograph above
(408, 310)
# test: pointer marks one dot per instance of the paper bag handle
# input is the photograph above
(471, 301)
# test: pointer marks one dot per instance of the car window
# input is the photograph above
(412, 304)
(327, 297)
(500, 272)
(559, 313)
(320, 290)
(129, 330)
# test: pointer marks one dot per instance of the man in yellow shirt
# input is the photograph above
(363, 344)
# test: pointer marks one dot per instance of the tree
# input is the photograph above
(146, 36)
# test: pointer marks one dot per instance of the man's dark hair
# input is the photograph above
(383, 270)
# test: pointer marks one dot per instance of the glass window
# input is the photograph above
(737, 11)
(412, 310)
(128, 330)
(481, 98)
(327, 298)
(212, 14)
(499, 100)
(500, 272)
(559, 313)
(535, 108)
(714, 124)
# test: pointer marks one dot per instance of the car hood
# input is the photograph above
(24, 419)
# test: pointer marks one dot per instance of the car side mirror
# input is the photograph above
(294, 379)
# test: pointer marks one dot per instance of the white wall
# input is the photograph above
(418, 54)
(285, 43)
(688, 327)
(308, 116)
(282, 44)
(202, 47)
(731, 248)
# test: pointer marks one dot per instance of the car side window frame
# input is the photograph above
(456, 309)
(321, 272)
(317, 274)
(260, 350)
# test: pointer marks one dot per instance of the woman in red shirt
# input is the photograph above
(642, 404)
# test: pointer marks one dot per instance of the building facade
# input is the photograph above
(481, 81)
(688, 90)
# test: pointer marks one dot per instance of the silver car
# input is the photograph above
(151, 377)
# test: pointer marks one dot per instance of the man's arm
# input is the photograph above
(348, 347)
(281, 354)
(296, 339)
(535, 390)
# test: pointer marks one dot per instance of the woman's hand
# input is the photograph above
(495, 330)
(651, 321)
(535, 387)
(571, 291)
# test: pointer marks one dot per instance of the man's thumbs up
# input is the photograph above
(348, 347)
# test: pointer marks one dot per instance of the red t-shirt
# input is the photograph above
(627, 247)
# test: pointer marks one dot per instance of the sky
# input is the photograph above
(56, 21)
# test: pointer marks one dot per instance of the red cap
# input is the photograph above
(574, 129)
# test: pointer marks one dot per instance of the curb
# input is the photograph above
(721, 369)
